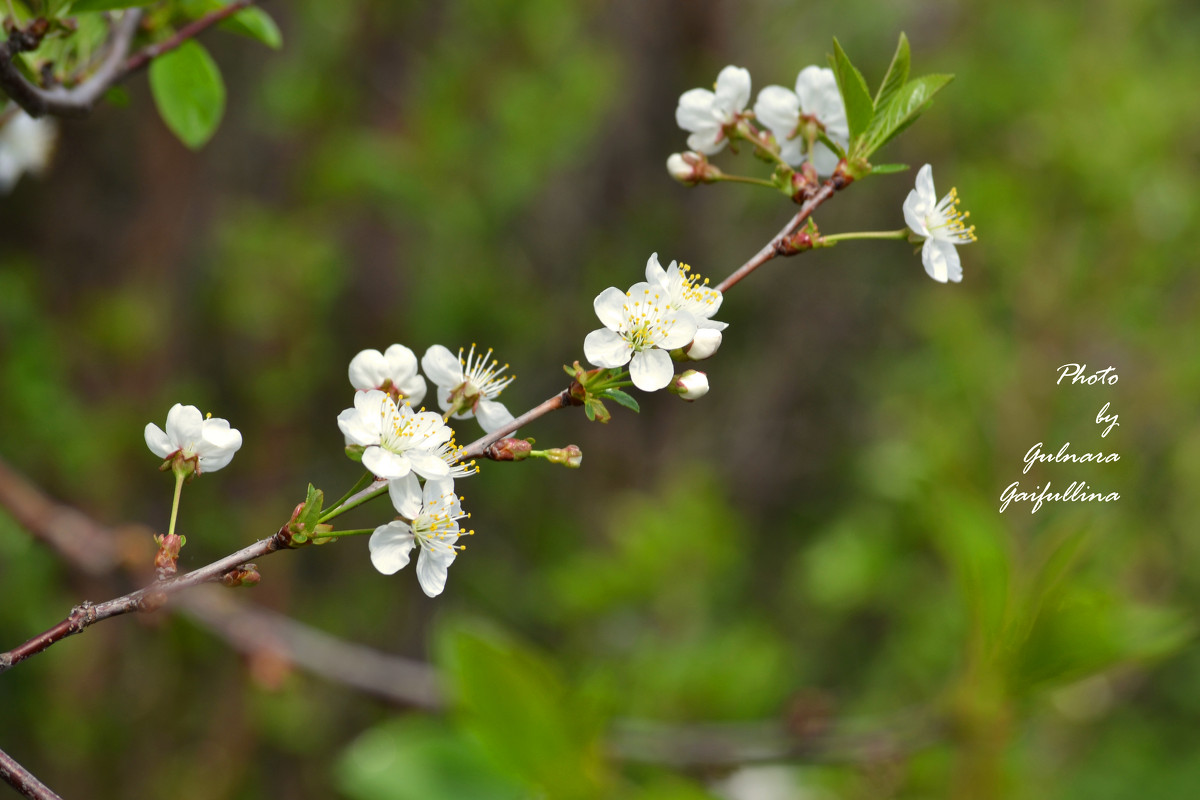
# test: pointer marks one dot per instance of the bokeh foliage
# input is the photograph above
(823, 525)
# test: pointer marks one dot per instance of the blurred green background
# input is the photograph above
(817, 542)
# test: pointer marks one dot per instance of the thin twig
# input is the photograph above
(23, 780)
(118, 64)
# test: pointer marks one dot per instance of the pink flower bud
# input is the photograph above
(691, 385)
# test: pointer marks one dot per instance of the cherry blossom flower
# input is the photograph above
(707, 115)
(393, 371)
(640, 326)
(397, 440)
(208, 443)
(26, 145)
(942, 225)
(816, 100)
(689, 293)
(430, 521)
(467, 387)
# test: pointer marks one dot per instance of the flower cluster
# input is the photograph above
(797, 119)
(26, 145)
(405, 447)
(670, 310)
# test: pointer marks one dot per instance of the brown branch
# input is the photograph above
(189, 31)
(117, 65)
(23, 780)
(59, 101)
(778, 245)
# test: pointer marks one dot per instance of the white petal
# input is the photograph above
(413, 389)
(431, 571)
(733, 90)
(610, 308)
(654, 271)
(391, 546)
(442, 367)
(779, 109)
(818, 90)
(405, 494)
(401, 362)
(695, 110)
(709, 142)
(605, 348)
(679, 333)
(368, 370)
(492, 415)
(158, 442)
(436, 492)
(184, 424)
(385, 464)
(651, 370)
(925, 188)
(915, 210)
(427, 465)
(825, 161)
(941, 261)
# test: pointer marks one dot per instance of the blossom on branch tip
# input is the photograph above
(430, 521)
(816, 102)
(942, 225)
(393, 371)
(398, 440)
(208, 444)
(26, 145)
(468, 386)
(707, 115)
(640, 326)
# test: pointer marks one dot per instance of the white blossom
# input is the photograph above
(393, 371)
(640, 326)
(398, 440)
(430, 521)
(817, 100)
(208, 443)
(688, 292)
(942, 225)
(706, 343)
(706, 114)
(468, 385)
(26, 145)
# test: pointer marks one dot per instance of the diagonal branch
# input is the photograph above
(23, 780)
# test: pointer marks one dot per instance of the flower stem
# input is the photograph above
(339, 534)
(361, 484)
(744, 179)
(839, 237)
(368, 492)
(175, 503)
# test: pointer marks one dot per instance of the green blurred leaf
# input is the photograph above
(622, 398)
(413, 758)
(859, 106)
(976, 545)
(257, 24)
(518, 707)
(906, 105)
(107, 5)
(887, 169)
(897, 73)
(189, 93)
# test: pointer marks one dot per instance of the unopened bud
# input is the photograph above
(509, 449)
(245, 575)
(691, 385)
(707, 341)
(166, 560)
(691, 168)
(570, 456)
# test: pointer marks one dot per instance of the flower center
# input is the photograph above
(645, 325)
(947, 223)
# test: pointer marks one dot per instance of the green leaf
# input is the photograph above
(189, 93)
(906, 105)
(107, 5)
(887, 169)
(859, 106)
(519, 709)
(897, 74)
(622, 398)
(257, 24)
